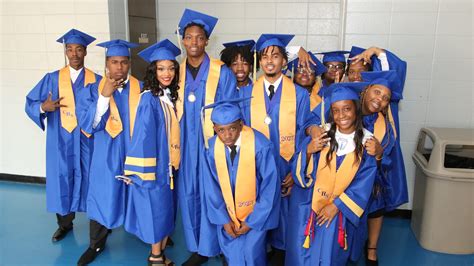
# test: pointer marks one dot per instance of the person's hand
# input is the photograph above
(111, 85)
(366, 55)
(374, 148)
(314, 131)
(338, 78)
(50, 106)
(326, 214)
(230, 229)
(317, 144)
(304, 59)
(244, 229)
(287, 186)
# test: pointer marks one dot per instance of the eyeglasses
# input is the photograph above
(336, 67)
(303, 70)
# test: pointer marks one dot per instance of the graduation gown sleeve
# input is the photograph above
(37, 96)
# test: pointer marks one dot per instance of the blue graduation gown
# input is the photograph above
(277, 236)
(150, 206)
(324, 248)
(68, 155)
(199, 233)
(248, 249)
(107, 195)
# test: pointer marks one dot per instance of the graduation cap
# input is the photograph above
(319, 68)
(388, 79)
(267, 40)
(74, 36)
(334, 56)
(191, 16)
(163, 50)
(345, 91)
(240, 44)
(117, 47)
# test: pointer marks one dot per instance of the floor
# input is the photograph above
(26, 229)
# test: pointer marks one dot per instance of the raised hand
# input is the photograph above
(374, 148)
(318, 143)
(111, 85)
(50, 106)
(304, 59)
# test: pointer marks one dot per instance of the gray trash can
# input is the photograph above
(443, 198)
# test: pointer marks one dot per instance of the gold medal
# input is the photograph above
(191, 97)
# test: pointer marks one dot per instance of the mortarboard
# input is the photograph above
(163, 50)
(117, 47)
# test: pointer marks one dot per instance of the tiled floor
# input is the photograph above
(26, 229)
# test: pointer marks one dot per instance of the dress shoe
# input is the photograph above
(89, 256)
(60, 234)
(195, 260)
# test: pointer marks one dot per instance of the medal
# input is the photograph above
(191, 97)
(267, 120)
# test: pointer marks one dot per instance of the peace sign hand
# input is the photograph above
(50, 106)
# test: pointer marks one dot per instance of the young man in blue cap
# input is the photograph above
(243, 188)
(238, 56)
(278, 109)
(309, 78)
(203, 80)
(108, 110)
(68, 150)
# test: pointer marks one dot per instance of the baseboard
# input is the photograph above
(399, 213)
(22, 178)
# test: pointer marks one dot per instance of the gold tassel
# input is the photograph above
(345, 240)
(306, 241)
(255, 65)
(171, 183)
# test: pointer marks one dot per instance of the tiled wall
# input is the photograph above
(316, 24)
(435, 38)
(28, 34)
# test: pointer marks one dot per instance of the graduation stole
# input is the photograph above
(114, 122)
(211, 88)
(380, 127)
(68, 113)
(173, 135)
(287, 114)
(314, 98)
(245, 184)
(330, 184)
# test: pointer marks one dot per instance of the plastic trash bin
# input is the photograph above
(443, 198)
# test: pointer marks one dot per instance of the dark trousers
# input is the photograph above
(97, 234)
(65, 221)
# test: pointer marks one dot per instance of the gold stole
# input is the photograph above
(173, 135)
(330, 183)
(114, 123)
(245, 184)
(392, 122)
(287, 117)
(314, 98)
(68, 113)
(380, 127)
(211, 88)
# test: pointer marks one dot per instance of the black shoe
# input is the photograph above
(160, 262)
(89, 256)
(369, 262)
(224, 261)
(195, 260)
(60, 234)
(278, 257)
(169, 242)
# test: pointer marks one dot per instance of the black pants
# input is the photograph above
(97, 234)
(65, 221)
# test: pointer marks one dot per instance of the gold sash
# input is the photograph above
(380, 127)
(173, 135)
(330, 183)
(68, 113)
(114, 123)
(314, 98)
(245, 184)
(211, 88)
(287, 119)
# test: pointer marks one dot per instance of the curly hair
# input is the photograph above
(152, 84)
(230, 54)
(358, 136)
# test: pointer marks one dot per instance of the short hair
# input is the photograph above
(282, 50)
(195, 24)
(230, 54)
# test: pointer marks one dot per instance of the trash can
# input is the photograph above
(443, 199)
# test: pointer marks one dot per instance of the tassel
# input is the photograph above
(171, 183)
(255, 65)
(307, 231)
(345, 240)
(341, 232)
(306, 242)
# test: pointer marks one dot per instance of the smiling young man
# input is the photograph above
(68, 151)
(278, 110)
(243, 188)
(238, 57)
(203, 80)
(108, 110)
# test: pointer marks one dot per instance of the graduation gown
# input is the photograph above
(150, 206)
(106, 201)
(199, 233)
(248, 249)
(324, 247)
(68, 155)
(277, 236)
